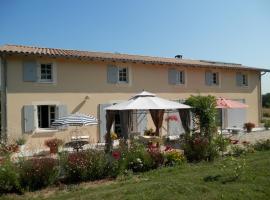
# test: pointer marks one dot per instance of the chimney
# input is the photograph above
(178, 56)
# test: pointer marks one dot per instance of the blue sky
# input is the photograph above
(224, 30)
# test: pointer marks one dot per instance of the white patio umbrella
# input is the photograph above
(77, 119)
(147, 101)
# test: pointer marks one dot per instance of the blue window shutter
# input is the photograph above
(102, 121)
(30, 71)
(238, 79)
(141, 121)
(29, 118)
(62, 111)
(112, 74)
(208, 78)
(172, 76)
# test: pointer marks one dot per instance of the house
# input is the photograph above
(39, 85)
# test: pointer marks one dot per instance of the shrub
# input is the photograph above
(9, 177)
(221, 142)
(262, 145)
(174, 157)
(249, 126)
(266, 114)
(149, 132)
(37, 173)
(8, 149)
(136, 158)
(156, 156)
(237, 150)
(199, 145)
(89, 165)
(267, 124)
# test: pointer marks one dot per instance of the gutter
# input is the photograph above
(3, 133)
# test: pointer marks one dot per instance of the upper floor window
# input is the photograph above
(46, 73)
(34, 71)
(241, 79)
(176, 77)
(122, 74)
(211, 78)
(117, 74)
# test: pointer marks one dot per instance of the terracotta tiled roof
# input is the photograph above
(53, 52)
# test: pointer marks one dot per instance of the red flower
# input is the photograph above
(172, 118)
(116, 155)
(168, 148)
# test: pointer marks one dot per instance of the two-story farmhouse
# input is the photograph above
(40, 84)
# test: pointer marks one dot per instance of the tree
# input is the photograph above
(266, 100)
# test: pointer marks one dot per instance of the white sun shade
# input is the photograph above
(146, 101)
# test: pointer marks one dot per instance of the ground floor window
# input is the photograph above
(46, 115)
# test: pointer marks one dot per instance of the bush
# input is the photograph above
(136, 158)
(37, 173)
(9, 177)
(156, 156)
(266, 114)
(267, 124)
(221, 142)
(174, 157)
(237, 150)
(89, 165)
(262, 145)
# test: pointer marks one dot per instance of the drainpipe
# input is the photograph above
(3, 64)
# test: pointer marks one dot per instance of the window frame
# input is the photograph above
(215, 76)
(244, 80)
(180, 77)
(53, 79)
(39, 116)
(126, 74)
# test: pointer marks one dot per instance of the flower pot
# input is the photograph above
(53, 150)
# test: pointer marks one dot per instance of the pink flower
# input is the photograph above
(116, 155)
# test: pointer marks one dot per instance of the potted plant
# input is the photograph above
(249, 126)
(53, 144)
(267, 124)
(21, 143)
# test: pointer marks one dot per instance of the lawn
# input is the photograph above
(185, 182)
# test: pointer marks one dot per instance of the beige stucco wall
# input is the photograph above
(78, 79)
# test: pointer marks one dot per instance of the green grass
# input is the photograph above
(185, 182)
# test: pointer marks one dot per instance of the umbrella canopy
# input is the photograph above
(147, 101)
(226, 103)
(77, 119)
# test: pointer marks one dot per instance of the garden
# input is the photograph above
(220, 160)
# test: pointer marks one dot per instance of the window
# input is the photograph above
(46, 115)
(211, 78)
(241, 79)
(122, 74)
(179, 77)
(215, 78)
(244, 80)
(46, 73)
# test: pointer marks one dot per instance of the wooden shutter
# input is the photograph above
(30, 71)
(208, 78)
(141, 121)
(172, 76)
(62, 111)
(102, 121)
(29, 118)
(239, 79)
(112, 74)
